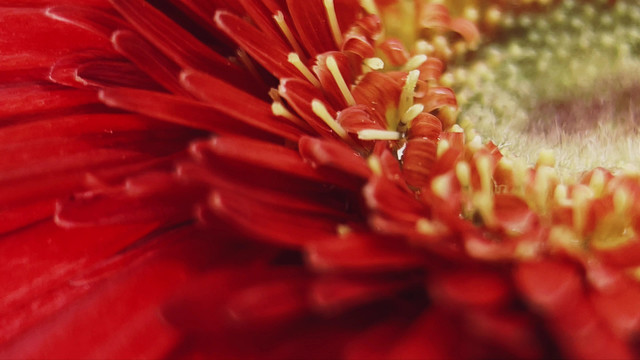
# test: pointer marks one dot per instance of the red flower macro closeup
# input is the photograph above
(319, 179)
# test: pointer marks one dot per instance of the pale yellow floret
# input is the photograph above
(542, 186)
(430, 227)
(443, 146)
(546, 157)
(375, 134)
(483, 202)
(333, 22)
(414, 62)
(369, 6)
(278, 109)
(463, 173)
(294, 59)
(286, 31)
(440, 185)
(581, 196)
(621, 201)
(406, 96)
(343, 230)
(332, 65)
(321, 111)
(374, 63)
(374, 164)
(483, 164)
(596, 183)
(412, 112)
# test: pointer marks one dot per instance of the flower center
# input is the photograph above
(566, 80)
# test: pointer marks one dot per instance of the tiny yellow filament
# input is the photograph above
(321, 111)
(332, 65)
(294, 59)
(333, 22)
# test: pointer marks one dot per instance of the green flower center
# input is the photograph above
(566, 80)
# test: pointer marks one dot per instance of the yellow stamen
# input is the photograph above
(414, 62)
(443, 146)
(343, 229)
(463, 173)
(278, 109)
(581, 196)
(370, 7)
(483, 164)
(282, 24)
(294, 59)
(333, 22)
(374, 134)
(440, 186)
(374, 63)
(542, 186)
(484, 203)
(546, 158)
(332, 65)
(374, 164)
(412, 112)
(596, 183)
(621, 201)
(321, 111)
(430, 227)
(406, 97)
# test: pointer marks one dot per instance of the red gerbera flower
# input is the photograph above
(286, 179)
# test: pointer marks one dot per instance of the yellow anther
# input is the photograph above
(463, 173)
(447, 79)
(565, 238)
(333, 22)
(519, 175)
(374, 63)
(369, 6)
(596, 183)
(456, 129)
(412, 112)
(286, 31)
(430, 227)
(374, 164)
(321, 111)
(414, 62)
(471, 14)
(443, 146)
(621, 201)
(343, 229)
(278, 109)
(527, 250)
(423, 47)
(441, 186)
(375, 134)
(476, 141)
(581, 196)
(493, 15)
(406, 97)
(332, 65)
(542, 186)
(294, 59)
(561, 195)
(546, 158)
(483, 164)
(483, 202)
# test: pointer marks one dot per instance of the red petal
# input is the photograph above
(237, 104)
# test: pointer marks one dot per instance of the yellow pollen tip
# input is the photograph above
(456, 128)
(374, 63)
(581, 196)
(430, 227)
(546, 158)
(375, 134)
(278, 109)
(542, 185)
(440, 186)
(463, 173)
(333, 22)
(321, 111)
(484, 203)
(596, 182)
(370, 7)
(483, 164)
(286, 31)
(406, 97)
(332, 65)
(414, 62)
(374, 164)
(343, 229)
(443, 146)
(412, 112)
(621, 201)
(294, 59)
